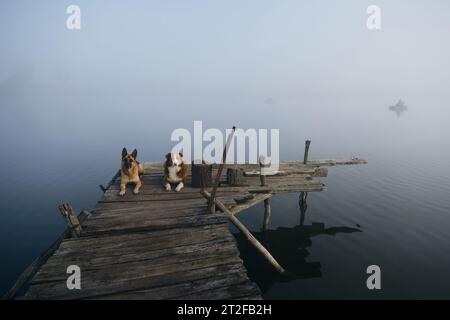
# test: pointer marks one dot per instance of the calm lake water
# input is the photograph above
(393, 212)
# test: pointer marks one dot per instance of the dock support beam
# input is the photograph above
(263, 164)
(211, 200)
(305, 156)
(246, 232)
(71, 219)
(267, 214)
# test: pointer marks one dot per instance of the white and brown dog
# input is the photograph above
(175, 171)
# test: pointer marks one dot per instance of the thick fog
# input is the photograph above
(137, 70)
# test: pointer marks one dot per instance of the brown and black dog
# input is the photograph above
(130, 171)
(175, 171)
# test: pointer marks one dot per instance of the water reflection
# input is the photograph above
(289, 245)
(399, 107)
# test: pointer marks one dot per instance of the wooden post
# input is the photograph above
(201, 175)
(246, 232)
(262, 177)
(305, 156)
(211, 202)
(267, 213)
(262, 171)
(71, 219)
(235, 177)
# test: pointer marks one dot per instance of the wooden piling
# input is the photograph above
(211, 203)
(201, 175)
(305, 156)
(267, 214)
(71, 219)
(235, 177)
(263, 164)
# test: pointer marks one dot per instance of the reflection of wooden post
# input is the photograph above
(303, 206)
(303, 196)
(305, 157)
(71, 219)
(267, 213)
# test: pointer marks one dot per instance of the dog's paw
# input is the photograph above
(167, 187)
(179, 187)
(135, 192)
(121, 193)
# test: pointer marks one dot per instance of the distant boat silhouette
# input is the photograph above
(269, 101)
(399, 108)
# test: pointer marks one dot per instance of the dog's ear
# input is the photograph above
(124, 152)
(134, 154)
(181, 154)
(168, 156)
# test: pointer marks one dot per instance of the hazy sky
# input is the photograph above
(245, 47)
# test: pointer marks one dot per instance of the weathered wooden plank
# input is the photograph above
(330, 162)
(136, 279)
(145, 204)
(142, 245)
(153, 259)
(134, 270)
(87, 243)
(96, 226)
(219, 280)
(188, 192)
(242, 206)
(276, 188)
(235, 291)
(142, 209)
(145, 213)
(101, 258)
(289, 166)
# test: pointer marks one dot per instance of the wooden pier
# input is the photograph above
(165, 245)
